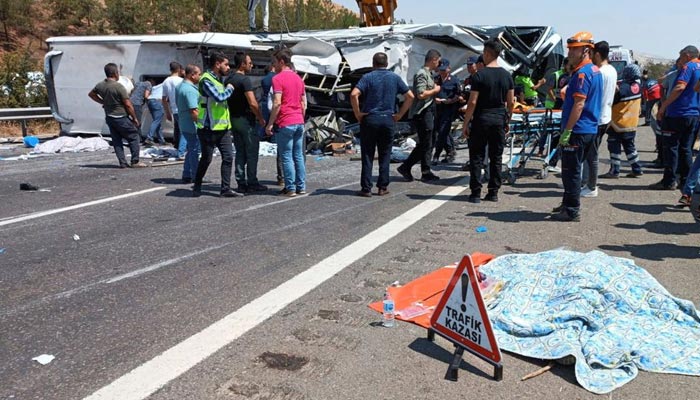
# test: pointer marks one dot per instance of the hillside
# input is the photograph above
(24, 26)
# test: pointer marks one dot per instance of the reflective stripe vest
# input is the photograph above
(214, 113)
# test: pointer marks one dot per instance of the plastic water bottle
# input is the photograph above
(388, 311)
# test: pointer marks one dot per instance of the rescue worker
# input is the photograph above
(214, 124)
(679, 113)
(580, 115)
(523, 79)
(625, 118)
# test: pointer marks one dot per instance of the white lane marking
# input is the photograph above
(149, 377)
(40, 214)
(172, 261)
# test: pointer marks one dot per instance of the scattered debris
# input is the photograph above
(2, 250)
(330, 315)
(43, 359)
(27, 186)
(282, 361)
(481, 229)
(76, 237)
(538, 372)
(30, 141)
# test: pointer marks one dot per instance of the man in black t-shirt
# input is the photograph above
(489, 109)
(244, 111)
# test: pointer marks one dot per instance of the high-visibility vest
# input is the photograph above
(213, 112)
(549, 102)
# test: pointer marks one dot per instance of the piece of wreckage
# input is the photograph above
(330, 62)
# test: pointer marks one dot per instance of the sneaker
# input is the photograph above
(429, 176)
(564, 216)
(230, 193)
(553, 168)
(474, 198)
(684, 201)
(466, 167)
(280, 182)
(186, 180)
(286, 192)
(661, 186)
(300, 192)
(363, 193)
(122, 166)
(609, 175)
(256, 188)
(382, 192)
(558, 208)
(586, 192)
(138, 165)
(196, 192)
(149, 142)
(635, 174)
(405, 173)
(491, 197)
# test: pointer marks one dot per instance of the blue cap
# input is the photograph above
(444, 64)
(472, 60)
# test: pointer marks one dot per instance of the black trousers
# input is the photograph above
(376, 133)
(424, 124)
(491, 131)
(209, 140)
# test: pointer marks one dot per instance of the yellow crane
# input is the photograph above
(376, 12)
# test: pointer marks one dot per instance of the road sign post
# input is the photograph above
(461, 318)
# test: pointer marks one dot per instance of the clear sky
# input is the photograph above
(654, 28)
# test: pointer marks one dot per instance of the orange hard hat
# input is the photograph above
(580, 39)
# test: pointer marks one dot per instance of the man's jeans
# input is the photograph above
(189, 170)
(155, 132)
(677, 134)
(571, 163)
(247, 143)
(376, 133)
(590, 167)
(208, 140)
(180, 142)
(290, 144)
(124, 129)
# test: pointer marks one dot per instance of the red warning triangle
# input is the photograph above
(461, 315)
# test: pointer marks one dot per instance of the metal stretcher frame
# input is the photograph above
(527, 129)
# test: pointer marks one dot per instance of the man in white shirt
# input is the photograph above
(600, 58)
(170, 105)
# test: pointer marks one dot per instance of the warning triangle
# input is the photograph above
(461, 315)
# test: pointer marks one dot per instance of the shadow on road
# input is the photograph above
(664, 227)
(512, 216)
(102, 166)
(650, 209)
(656, 251)
(432, 350)
(536, 194)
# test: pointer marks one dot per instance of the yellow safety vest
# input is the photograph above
(214, 112)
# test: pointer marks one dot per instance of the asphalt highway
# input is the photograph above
(131, 283)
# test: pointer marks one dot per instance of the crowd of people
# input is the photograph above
(218, 109)
(215, 109)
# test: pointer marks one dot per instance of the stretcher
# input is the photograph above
(527, 130)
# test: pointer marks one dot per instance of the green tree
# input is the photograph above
(14, 16)
(657, 70)
(21, 86)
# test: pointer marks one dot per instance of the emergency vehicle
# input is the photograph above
(619, 57)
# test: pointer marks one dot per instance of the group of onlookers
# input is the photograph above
(215, 109)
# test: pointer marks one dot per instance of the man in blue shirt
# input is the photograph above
(377, 116)
(678, 114)
(580, 115)
(187, 102)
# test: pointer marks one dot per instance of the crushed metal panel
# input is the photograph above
(316, 56)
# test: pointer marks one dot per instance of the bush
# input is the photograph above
(22, 85)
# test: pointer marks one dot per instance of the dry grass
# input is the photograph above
(37, 128)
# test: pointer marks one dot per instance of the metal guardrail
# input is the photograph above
(25, 114)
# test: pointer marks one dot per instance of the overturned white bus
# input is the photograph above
(330, 62)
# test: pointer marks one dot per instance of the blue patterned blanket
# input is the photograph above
(608, 313)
